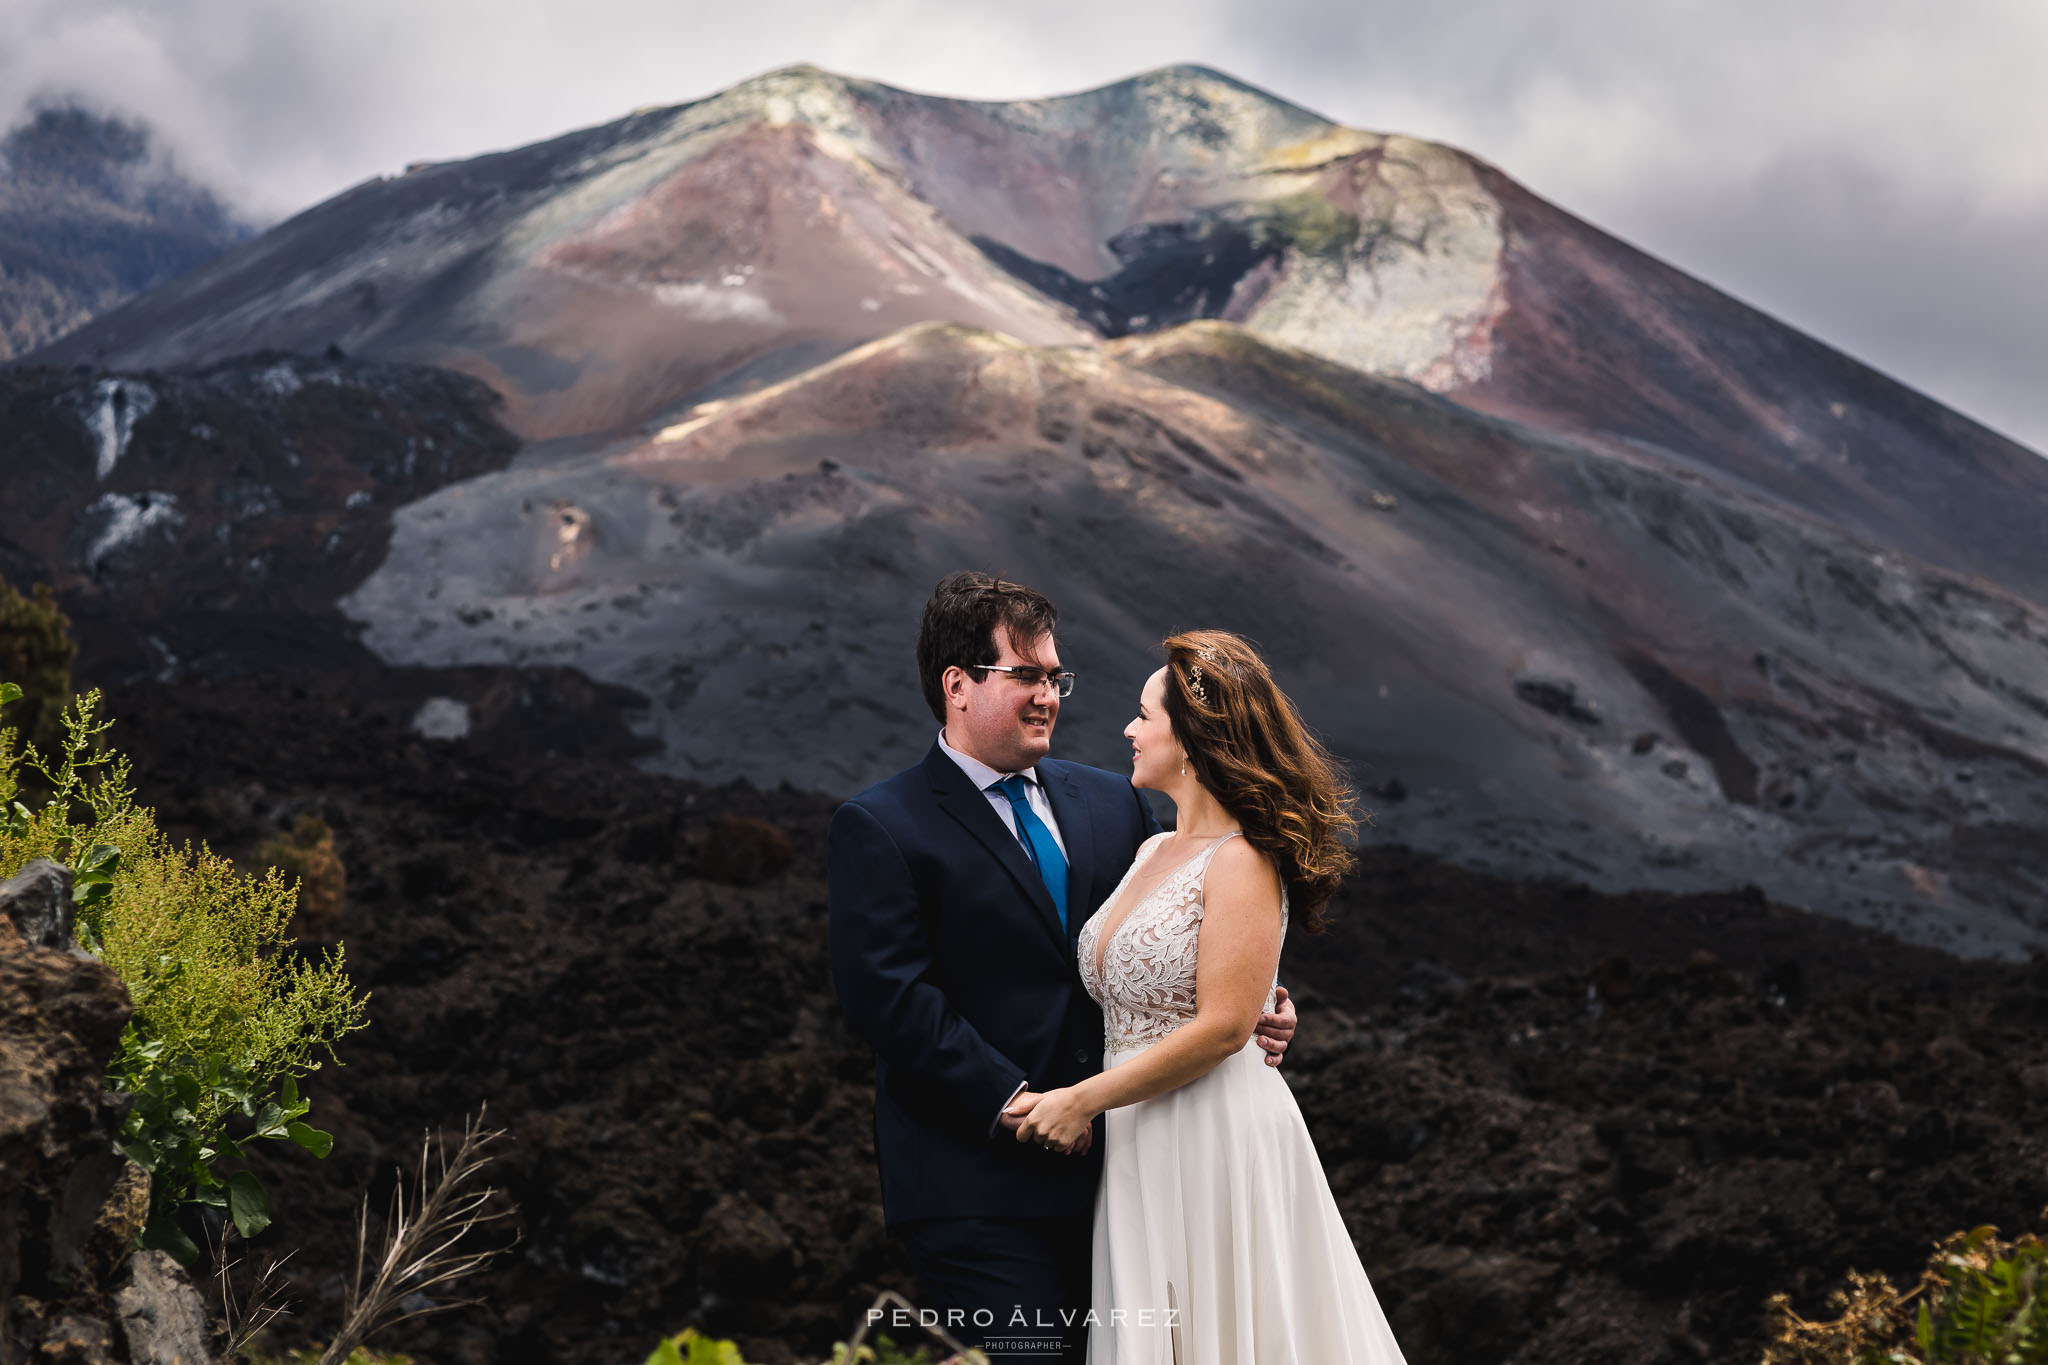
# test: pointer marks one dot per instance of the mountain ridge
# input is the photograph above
(1388, 254)
(93, 213)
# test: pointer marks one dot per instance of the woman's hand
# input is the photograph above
(1059, 1119)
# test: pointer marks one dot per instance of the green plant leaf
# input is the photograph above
(93, 881)
(312, 1139)
(666, 1353)
(706, 1351)
(164, 1234)
(9, 692)
(692, 1348)
(248, 1205)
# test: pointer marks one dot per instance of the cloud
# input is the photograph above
(1864, 169)
(1946, 294)
(1867, 172)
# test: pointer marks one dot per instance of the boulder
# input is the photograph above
(161, 1313)
(70, 1202)
(38, 900)
(61, 1015)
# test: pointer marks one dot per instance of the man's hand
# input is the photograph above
(1016, 1109)
(1058, 1119)
(1276, 1028)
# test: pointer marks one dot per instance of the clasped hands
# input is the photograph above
(1061, 1121)
(1056, 1119)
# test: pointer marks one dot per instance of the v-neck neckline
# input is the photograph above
(1110, 931)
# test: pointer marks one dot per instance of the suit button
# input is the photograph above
(1081, 1057)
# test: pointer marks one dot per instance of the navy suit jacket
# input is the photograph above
(948, 956)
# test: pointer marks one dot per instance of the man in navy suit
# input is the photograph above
(957, 890)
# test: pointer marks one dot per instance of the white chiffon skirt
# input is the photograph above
(1217, 1241)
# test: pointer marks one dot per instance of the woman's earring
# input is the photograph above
(1183, 762)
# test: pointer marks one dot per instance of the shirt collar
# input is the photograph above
(979, 772)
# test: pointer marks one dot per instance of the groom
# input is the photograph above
(957, 889)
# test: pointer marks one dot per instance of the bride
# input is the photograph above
(1216, 1239)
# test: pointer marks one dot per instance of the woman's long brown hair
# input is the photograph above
(1249, 750)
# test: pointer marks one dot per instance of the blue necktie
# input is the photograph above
(1038, 842)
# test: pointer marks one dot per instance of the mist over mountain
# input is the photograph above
(92, 213)
(1589, 570)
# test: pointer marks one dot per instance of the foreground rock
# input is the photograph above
(70, 1203)
(1563, 1127)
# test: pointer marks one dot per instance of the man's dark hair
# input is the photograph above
(959, 627)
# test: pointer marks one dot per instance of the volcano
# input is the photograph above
(1589, 570)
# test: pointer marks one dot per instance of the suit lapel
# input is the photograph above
(1070, 808)
(958, 797)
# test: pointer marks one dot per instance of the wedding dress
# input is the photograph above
(1217, 1241)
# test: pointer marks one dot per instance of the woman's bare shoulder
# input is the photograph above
(1238, 870)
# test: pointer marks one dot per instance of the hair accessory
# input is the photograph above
(1195, 683)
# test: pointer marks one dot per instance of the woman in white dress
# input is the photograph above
(1216, 1239)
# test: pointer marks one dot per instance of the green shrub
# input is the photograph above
(1980, 1301)
(226, 1016)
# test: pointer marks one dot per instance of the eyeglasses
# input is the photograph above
(1033, 678)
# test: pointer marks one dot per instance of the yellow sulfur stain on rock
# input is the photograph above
(1336, 143)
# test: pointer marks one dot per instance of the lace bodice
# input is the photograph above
(1146, 983)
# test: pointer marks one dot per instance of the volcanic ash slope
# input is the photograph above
(1548, 658)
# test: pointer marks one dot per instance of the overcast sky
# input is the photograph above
(1872, 171)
